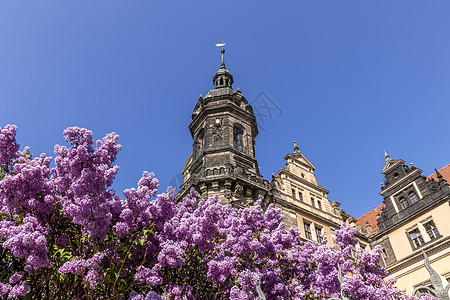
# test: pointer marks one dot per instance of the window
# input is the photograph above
(431, 230)
(200, 143)
(293, 193)
(384, 257)
(413, 197)
(403, 202)
(312, 201)
(319, 235)
(416, 237)
(308, 231)
(238, 140)
(319, 204)
(300, 195)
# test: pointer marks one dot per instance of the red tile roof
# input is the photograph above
(371, 216)
(445, 172)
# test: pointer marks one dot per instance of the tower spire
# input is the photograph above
(222, 65)
(222, 51)
(223, 77)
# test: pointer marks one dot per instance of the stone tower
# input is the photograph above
(222, 160)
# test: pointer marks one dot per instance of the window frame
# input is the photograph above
(319, 234)
(403, 204)
(238, 138)
(412, 195)
(418, 241)
(308, 232)
(434, 231)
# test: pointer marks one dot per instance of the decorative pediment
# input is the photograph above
(301, 159)
(390, 163)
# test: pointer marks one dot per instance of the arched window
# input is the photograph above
(238, 139)
(221, 81)
(200, 143)
(403, 202)
(413, 197)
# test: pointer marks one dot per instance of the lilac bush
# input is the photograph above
(64, 232)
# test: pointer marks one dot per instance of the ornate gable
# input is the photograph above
(299, 158)
(391, 163)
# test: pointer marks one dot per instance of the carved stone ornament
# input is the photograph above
(438, 289)
(217, 130)
(344, 294)
(227, 187)
(434, 185)
(238, 190)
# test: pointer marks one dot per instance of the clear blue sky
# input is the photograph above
(352, 78)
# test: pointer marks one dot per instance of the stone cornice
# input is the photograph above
(433, 248)
(242, 156)
(401, 180)
(412, 216)
(305, 212)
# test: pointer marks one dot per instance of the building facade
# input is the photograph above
(414, 217)
(304, 203)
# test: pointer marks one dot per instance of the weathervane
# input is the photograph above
(222, 51)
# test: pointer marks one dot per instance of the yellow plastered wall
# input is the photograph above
(398, 238)
(415, 274)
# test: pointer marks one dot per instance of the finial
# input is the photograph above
(296, 148)
(438, 175)
(222, 65)
(388, 158)
(239, 91)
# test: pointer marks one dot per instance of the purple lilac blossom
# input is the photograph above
(68, 217)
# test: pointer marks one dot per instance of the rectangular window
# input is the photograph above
(319, 204)
(300, 195)
(403, 202)
(308, 233)
(431, 230)
(293, 193)
(312, 201)
(416, 237)
(319, 235)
